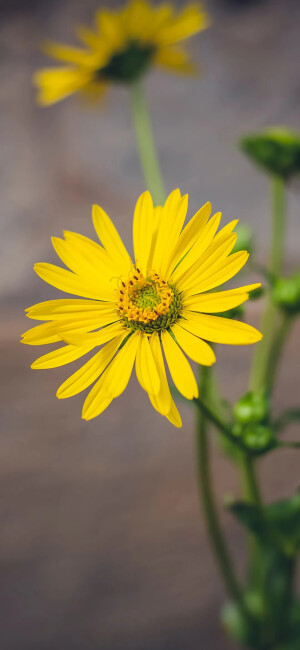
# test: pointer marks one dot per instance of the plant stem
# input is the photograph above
(263, 349)
(145, 143)
(276, 350)
(205, 486)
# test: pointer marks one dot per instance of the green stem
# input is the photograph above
(263, 349)
(279, 340)
(209, 507)
(148, 157)
(278, 230)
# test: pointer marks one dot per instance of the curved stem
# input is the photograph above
(209, 507)
(263, 349)
(145, 143)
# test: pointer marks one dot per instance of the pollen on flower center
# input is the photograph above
(149, 304)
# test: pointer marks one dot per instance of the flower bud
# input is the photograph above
(257, 437)
(252, 407)
(286, 294)
(277, 150)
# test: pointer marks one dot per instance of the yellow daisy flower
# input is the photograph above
(160, 306)
(124, 44)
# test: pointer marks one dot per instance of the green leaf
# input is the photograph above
(280, 522)
(287, 417)
(276, 150)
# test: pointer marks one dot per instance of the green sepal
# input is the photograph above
(277, 150)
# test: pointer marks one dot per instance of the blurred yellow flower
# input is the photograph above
(124, 44)
(162, 303)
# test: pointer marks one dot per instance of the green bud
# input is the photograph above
(286, 293)
(252, 407)
(277, 150)
(257, 437)
(244, 239)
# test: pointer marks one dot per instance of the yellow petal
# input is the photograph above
(199, 247)
(111, 239)
(174, 60)
(191, 232)
(60, 357)
(174, 416)
(219, 301)
(145, 366)
(68, 54)
(171, 221)
(67, 308)
(41, 334)
(211, 260)
(142, 230)
(194, 347)
(71, 283)
(113, 381)
(90, 371)
(55, 84)
(85, 257)
(225, 271)
(188, 22)
(95, 338)
(220, 330)
(180, 369)
(162, 402)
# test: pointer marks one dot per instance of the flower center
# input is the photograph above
(149, 304)
(129, 64)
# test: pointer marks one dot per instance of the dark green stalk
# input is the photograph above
(206, 493)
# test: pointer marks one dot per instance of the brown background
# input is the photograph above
(102, 545)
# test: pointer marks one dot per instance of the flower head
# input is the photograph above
(138, 312)
(124, 44)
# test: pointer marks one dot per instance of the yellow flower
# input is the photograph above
(161, 304)
(124, 44)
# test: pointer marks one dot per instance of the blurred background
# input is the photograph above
(102, 540)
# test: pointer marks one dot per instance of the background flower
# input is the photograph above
(122, 46)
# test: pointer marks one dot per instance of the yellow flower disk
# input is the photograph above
(162, 304)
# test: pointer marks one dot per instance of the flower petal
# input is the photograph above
(143, 230)
(171, 221)
(90, 371)
(71, 283)
(224, 270)
(111, 239)
(65, 308)
(191, 232)
(180, 369)
(162, 402)
(145, 366)
(94, 338)
(220, 330)
(193, 346)
(199, 247)
(60, 357)
(113, 381)
(219, 301)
